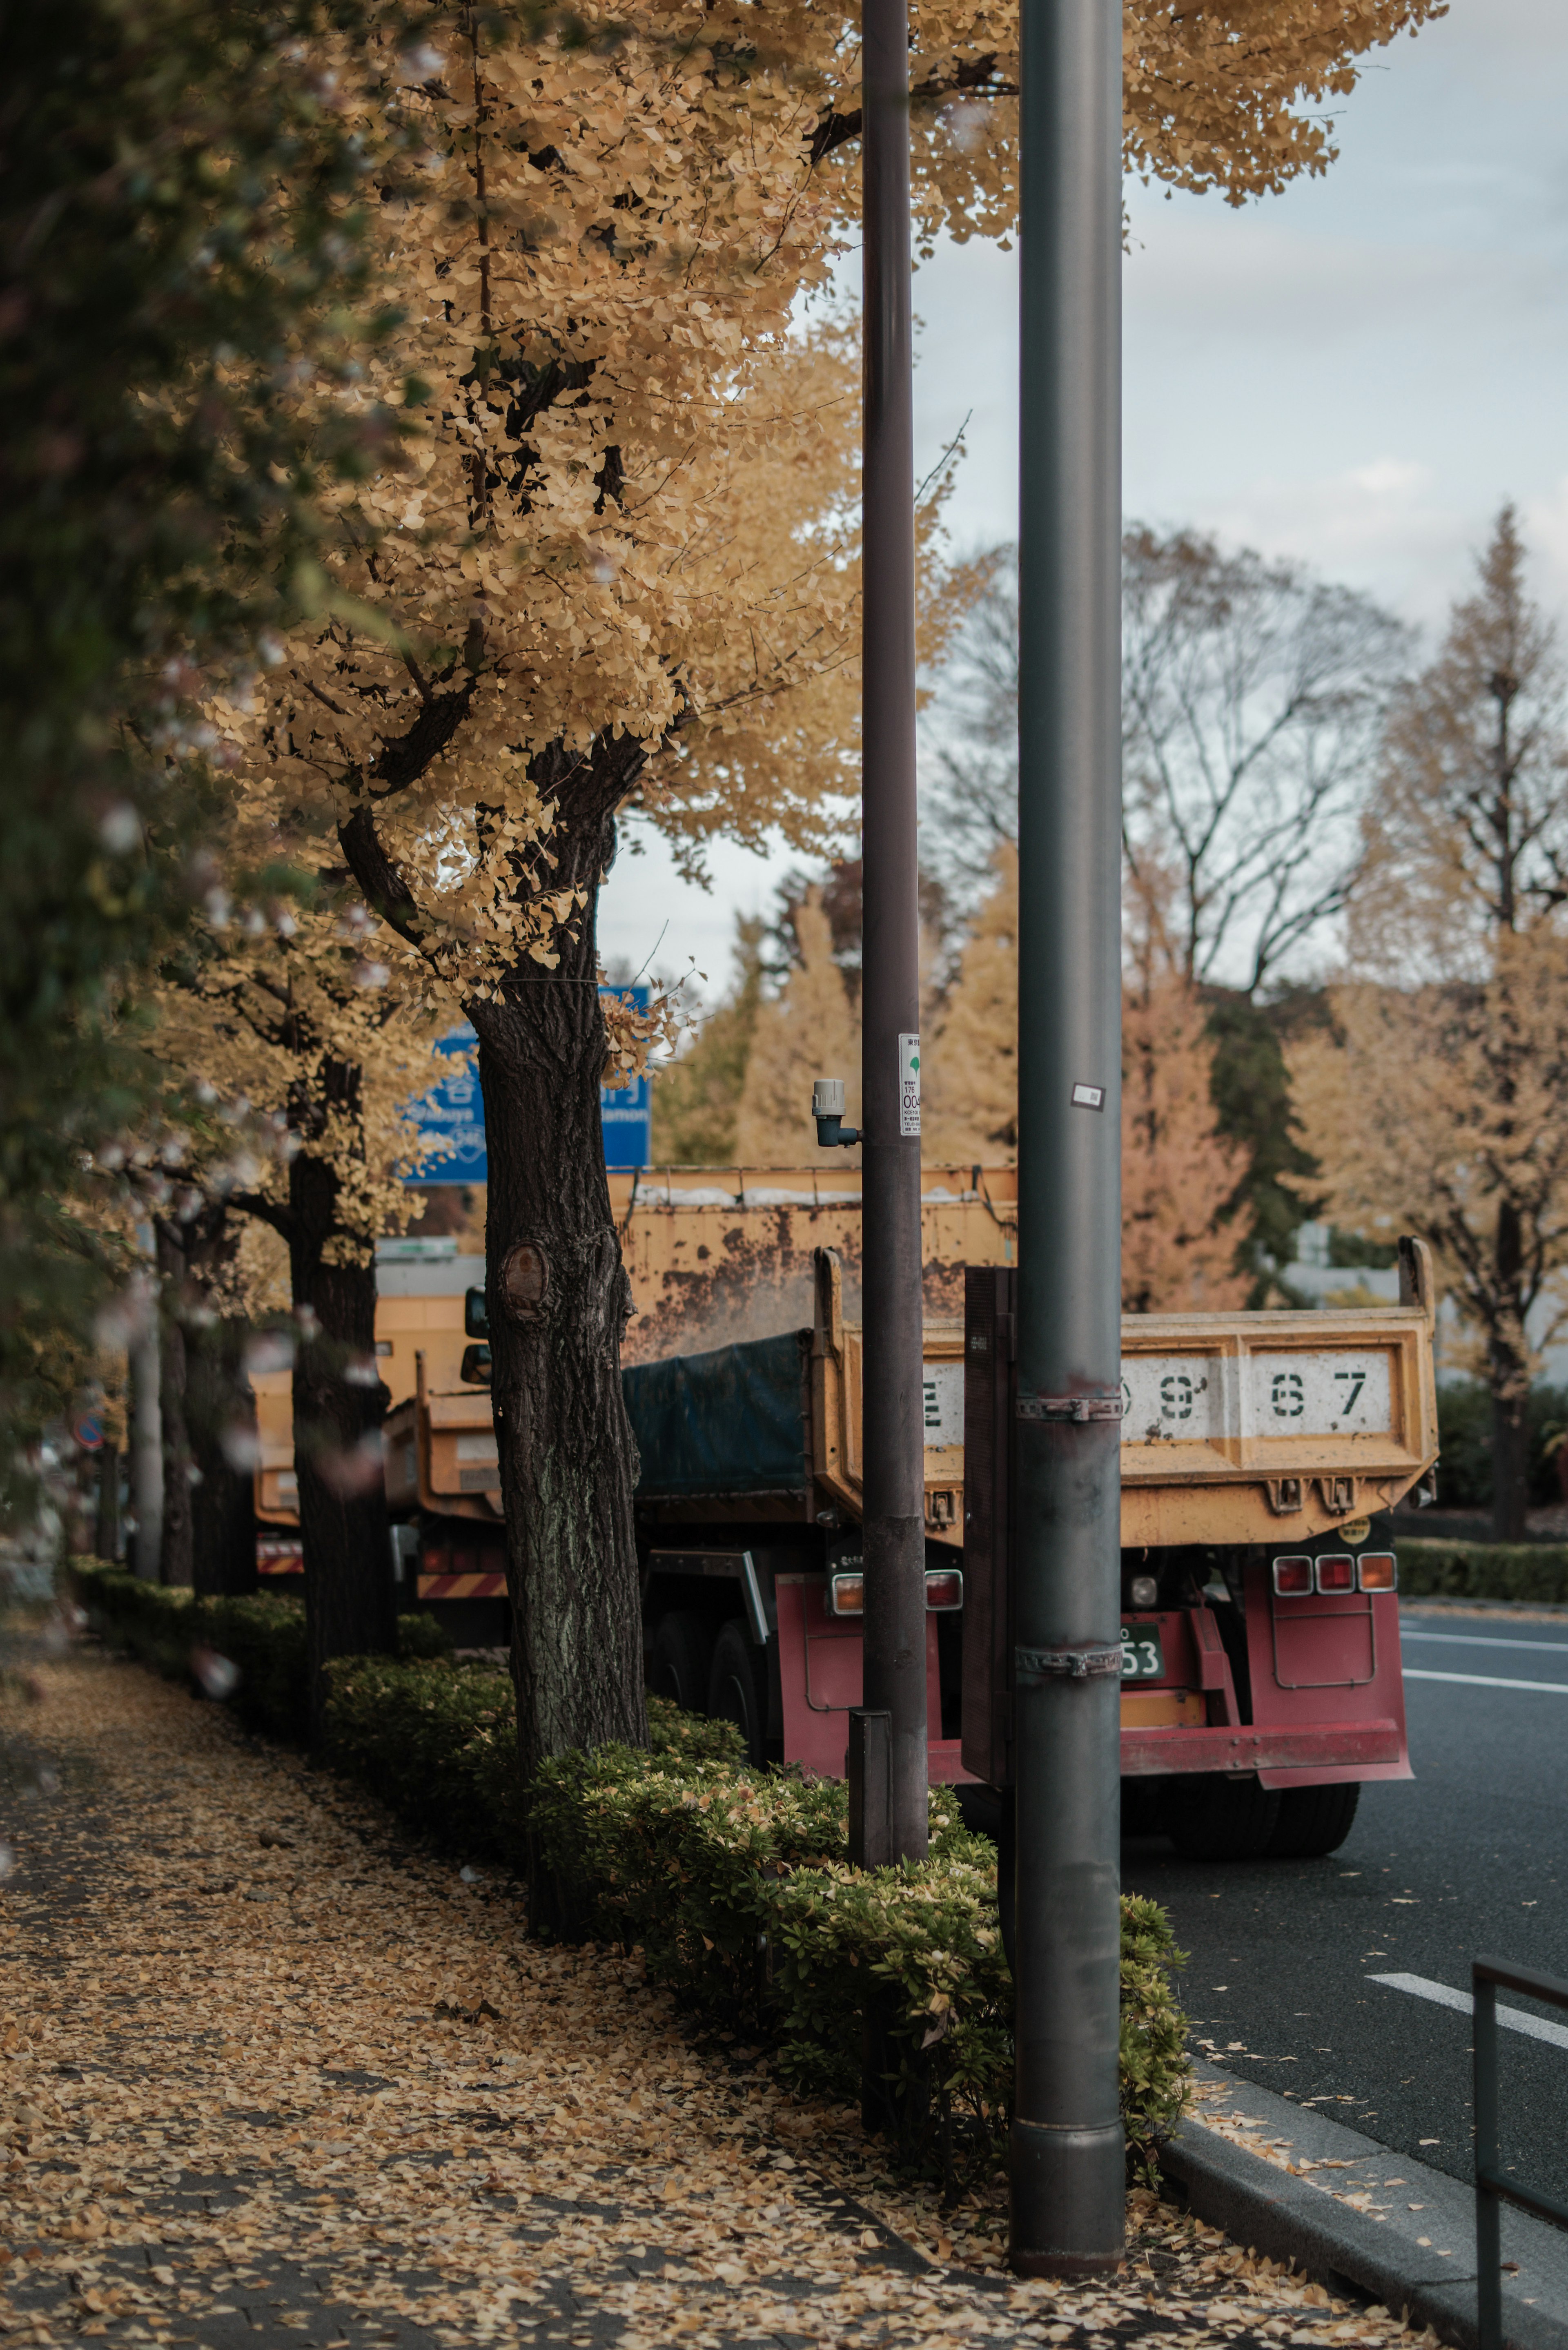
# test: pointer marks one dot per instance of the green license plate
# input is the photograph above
(1143, 1659)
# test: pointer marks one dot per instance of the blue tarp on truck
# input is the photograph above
(726, 1422)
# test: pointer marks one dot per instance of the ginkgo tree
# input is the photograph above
(281, 1015)
(615, 567)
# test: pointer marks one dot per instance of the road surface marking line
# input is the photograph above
(1484, 1640)
(1514, 2018)
(1486, 1680)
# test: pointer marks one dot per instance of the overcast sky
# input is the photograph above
(1356, 373)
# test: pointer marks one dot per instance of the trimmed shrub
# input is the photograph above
(735, 1884)
(1465, 1478)
(261, 1636)
(1464, 1570)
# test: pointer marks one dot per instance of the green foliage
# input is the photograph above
(159, 309)
(696, 1099)
(1351, 1250)
(1465, 1480)
(737, 1887)
(432, 1738)
(262, 1637)
(1252, 1092)
(1464, 1570)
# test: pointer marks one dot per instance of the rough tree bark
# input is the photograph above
(177, 1554)
(218, 1405)
(340, 1405)
(568, 1461)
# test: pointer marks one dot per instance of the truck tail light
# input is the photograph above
(1337, 1573)
(944, 1587)
(846, 1595)
(1379, 1571)
(1293, 1577)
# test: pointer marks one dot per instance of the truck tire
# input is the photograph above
(1215, 1818)
(682, 1659)
(1314, 1821)
(735, 1692)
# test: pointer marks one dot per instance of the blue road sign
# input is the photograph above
(627, 1113)
(455, 1111)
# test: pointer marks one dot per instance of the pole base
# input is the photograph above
(1068, 2191)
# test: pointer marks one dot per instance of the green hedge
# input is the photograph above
(1465, 1570)
(261, 1638)
(736, 1886)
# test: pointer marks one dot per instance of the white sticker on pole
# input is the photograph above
(908, 1085)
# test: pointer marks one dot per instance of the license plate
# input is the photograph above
(1143, 1659)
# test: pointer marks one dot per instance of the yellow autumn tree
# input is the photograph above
(970, 1081)
(808, 1030)
(1179, 1174)
(279, 1014)
(614, 566)
(1439, 1102)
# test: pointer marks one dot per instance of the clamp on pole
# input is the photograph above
(1065, 1664)
(1076, 1408)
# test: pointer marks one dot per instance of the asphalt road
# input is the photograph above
(1469, 1858)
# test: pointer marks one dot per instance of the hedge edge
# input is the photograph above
(735, 1884)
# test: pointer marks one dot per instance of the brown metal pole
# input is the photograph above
(894, 1524)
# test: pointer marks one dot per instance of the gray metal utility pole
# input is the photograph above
(893, 1527)
(1067, 2183)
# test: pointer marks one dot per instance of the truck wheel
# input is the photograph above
(682, 1660)
(1214, 1818)
(733, 1694)
(1314, 1821)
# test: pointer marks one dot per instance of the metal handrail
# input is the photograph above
(1492, 2189)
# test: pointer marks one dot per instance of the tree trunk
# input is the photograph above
(107, 1528)
(218, 1407)
(340, 1405)
(559, 1299)
(146, 1439)
(176, 1567)
(1510, 1367)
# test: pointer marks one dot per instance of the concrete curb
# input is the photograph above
(1266, 2208)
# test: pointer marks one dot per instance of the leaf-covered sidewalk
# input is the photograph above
(270, 2076)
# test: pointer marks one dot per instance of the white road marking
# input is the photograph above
(1513, 2019)
(1482, 1640)
(1486, 1680)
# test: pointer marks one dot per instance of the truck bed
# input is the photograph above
(1237, 1427)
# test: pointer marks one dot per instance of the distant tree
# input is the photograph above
(1250, 1082)
(697, 1098)
(1252, 700)
(809, 1030)
(1441, 1104)
(1179, 1174)
(292, 1016)
(969, 1072)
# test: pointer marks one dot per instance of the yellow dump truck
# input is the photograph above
(1260, 1456)
(711, 1253)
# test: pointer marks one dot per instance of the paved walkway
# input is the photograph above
(270, 2076)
